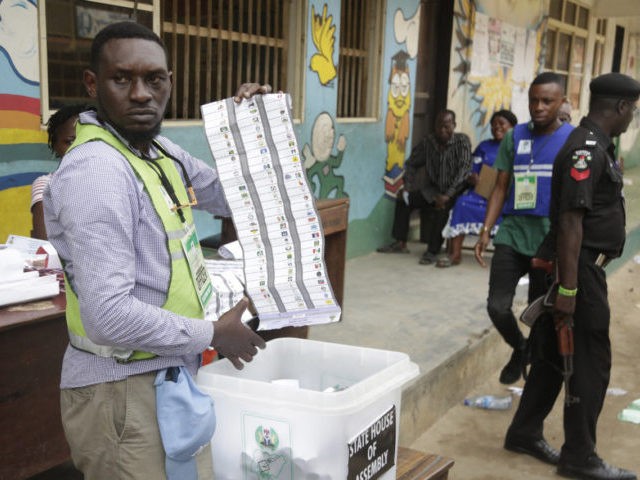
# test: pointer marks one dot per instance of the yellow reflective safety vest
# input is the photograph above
(182, 297)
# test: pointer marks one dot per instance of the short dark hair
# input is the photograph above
(446, 112)
(126, 29)
(508, 115)
(548, 77)
(61, 116)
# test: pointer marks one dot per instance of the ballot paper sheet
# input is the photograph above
(273, 210)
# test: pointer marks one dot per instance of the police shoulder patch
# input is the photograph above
(580, 168)
(580, 159)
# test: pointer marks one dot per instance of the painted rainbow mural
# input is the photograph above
(23, 150)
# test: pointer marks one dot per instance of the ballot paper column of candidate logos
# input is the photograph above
(273, 211)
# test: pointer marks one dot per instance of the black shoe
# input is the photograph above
(428, 258)
(537, 448)
(513, 369)
(395, 247)
(594, 468)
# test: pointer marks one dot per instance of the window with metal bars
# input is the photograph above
(213, 46)
(359, 58)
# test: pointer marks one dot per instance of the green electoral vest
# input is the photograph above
(182, 297)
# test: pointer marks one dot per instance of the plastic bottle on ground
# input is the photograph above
(489, 402)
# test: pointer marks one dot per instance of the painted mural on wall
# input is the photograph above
(495, 56)
(20, 136)
(18, 37)
(323, 36)
(321, 162)
(397, 119)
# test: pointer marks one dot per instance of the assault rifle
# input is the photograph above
(564, 331)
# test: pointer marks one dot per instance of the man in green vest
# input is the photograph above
(118, 212)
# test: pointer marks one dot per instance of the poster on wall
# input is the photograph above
(480, 53)
(505, 51)
(90, 21)
(507, 44)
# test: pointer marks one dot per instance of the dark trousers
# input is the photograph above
(432, 220)
(591, 369)
(507, 267)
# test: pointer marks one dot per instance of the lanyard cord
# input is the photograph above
(540, 148)
(167, 185)
(184, 170)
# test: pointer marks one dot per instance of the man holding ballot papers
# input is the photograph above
(118, 211)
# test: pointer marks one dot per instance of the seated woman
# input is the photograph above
(61, 129)
(468, 212)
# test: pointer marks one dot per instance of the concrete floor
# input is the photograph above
(460, 354)
(438, 317)
(474, 437)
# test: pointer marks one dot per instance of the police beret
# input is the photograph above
(615, 85)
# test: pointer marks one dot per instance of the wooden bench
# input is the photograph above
(414, 465)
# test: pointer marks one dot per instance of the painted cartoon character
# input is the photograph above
(19, 37)
(320, 163)
(396, 130)
(323, 36)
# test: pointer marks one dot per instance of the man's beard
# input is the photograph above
(137, 137)
(133, 136)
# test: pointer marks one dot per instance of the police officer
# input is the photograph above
(588, 229)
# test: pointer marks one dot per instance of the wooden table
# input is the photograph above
(33, 338)
(414, 465)
(334, 215)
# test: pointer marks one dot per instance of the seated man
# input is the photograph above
(446, 157)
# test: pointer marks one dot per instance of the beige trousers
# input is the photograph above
(113, 432)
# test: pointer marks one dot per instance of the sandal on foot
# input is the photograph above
(394, 247)
(446, 262)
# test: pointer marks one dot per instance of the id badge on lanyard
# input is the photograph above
(197, 268)
(526, 190)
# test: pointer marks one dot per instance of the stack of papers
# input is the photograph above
(228, 287)
(17, 286)
(231, 251)
(31, 247)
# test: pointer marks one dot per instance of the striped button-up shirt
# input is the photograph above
(104, 227)
(446, 166)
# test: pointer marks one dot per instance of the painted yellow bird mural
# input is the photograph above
(397, 123)
(323, 35)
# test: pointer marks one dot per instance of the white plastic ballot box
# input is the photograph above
(304, 409)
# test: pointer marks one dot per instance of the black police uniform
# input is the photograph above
(585, 176)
